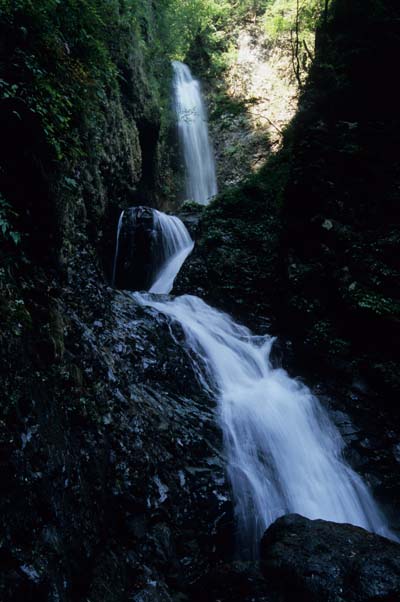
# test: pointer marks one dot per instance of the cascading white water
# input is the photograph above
(121, 217)
(176, 245)
(283, 452)
(201, 181)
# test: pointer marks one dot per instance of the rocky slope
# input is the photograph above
(319, 560)
(77, 482)
(113, 482)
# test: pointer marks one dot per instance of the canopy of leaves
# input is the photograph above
(281, 15)
(60, 58)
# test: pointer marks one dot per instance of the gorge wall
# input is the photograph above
(85, 132)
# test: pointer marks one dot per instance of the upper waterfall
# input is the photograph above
(201, 181)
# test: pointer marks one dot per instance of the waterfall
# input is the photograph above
(176, 245)
(201, 182)
(283, 452)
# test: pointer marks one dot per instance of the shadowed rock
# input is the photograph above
(320, 561)
(136, 249)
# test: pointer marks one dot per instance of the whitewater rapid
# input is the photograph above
(283, 452)
(168, 242)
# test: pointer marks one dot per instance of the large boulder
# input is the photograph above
(320, 561)
(137, 247)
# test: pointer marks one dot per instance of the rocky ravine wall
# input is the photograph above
(75, 467)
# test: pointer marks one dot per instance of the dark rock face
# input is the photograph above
(141, 247)
(341, 218)
(320, 561)
(138, 244)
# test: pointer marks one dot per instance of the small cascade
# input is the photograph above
(150, 250)
(175, 246)
(201, 181)
(121, 217)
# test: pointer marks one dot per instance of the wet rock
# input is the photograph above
(114, 458)
(154, 592)
(348, 430)
(396, 451)
(190, 213)
(137, 243)
(320, 561)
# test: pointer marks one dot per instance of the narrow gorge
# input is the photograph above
(199, 301)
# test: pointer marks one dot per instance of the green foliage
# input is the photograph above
(295, 20)
(208, 27)
(191, 207)
(373, 301)
(188, 26)
(228, 105)
(58, 62)
(6, 227)
(322, 336)
(185, 20)
(63, 59)
(280, 17)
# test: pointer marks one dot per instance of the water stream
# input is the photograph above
(201, 182)
(283, 453)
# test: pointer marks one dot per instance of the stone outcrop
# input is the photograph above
(320, 561)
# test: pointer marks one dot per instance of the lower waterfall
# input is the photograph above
(282, 451)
